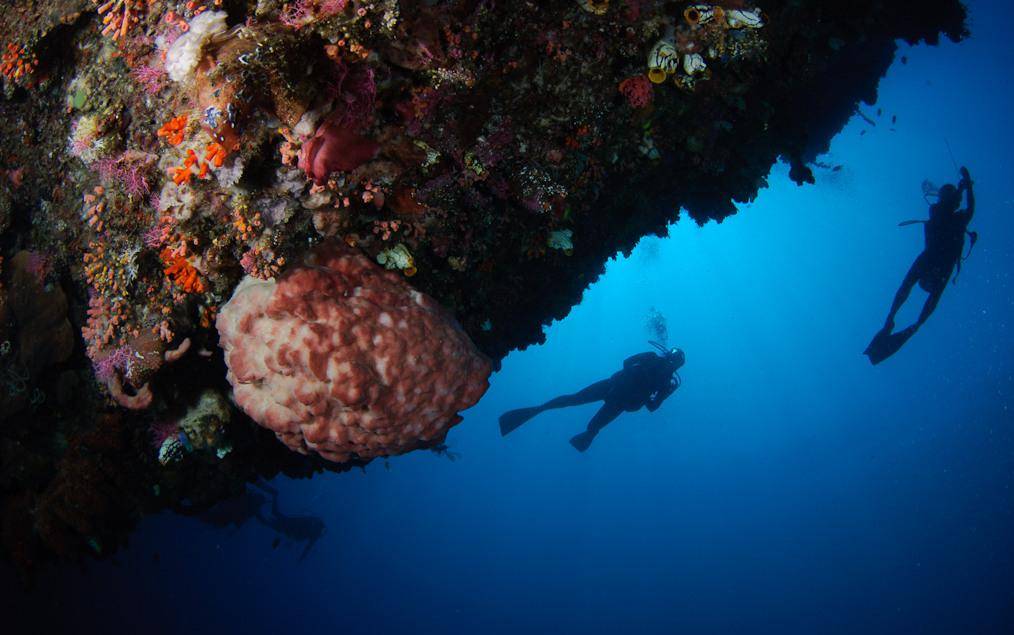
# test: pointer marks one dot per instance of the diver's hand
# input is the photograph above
(966, 178)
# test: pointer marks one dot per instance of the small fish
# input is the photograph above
(865, 117)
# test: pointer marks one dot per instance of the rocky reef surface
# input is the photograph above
(490, 154)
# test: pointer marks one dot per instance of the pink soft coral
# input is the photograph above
(355, 95)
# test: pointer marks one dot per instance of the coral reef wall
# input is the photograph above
(493, 154)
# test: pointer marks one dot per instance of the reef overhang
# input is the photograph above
(494, 154)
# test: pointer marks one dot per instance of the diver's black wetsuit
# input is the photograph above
(646, 380)
(944, 235)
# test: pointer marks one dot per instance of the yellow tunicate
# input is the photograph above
(598, 7)
(662, 60)
(700, 14)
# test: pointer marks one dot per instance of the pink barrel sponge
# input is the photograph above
(344, 358)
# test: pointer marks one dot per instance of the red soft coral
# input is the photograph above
(637, 90)
(335, 147)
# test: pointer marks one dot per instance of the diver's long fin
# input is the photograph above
(583, 441)
(885, 344)
(514, 419)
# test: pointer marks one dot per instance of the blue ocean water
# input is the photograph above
(787, 487)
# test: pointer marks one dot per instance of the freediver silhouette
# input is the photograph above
(645, 381)
(944, 234)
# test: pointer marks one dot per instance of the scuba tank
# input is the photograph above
(973, 238)
(930, 190)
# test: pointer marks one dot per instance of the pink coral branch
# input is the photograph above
(177, 353)
(138, 401)
(151, 79)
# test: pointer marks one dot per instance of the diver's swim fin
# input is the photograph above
(583, 441)
(514, 419)
(885, 344)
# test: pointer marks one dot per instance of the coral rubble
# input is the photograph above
(489, 156)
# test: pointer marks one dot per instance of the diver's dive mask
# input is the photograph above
(949, 196)
(946, 195)
(673, 355)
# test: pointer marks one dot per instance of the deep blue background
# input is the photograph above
(788, 487)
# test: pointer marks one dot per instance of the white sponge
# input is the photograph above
(185, 53)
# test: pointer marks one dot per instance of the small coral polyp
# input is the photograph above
(18, 62)
(181, 272)
(174, 130)
(598, 7)
(118, 16)
(344, 359)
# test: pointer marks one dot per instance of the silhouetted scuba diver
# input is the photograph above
(646, 380)
(233, 512)
(306, 529)
(944, 251)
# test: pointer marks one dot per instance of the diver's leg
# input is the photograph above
(514, 419)
(602, 418)
(309, 545)
(904, 290)
(931, 304)
(261, 485)
(595, 392)
(887, 342)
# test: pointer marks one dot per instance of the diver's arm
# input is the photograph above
(656, 399)
(966, 182)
